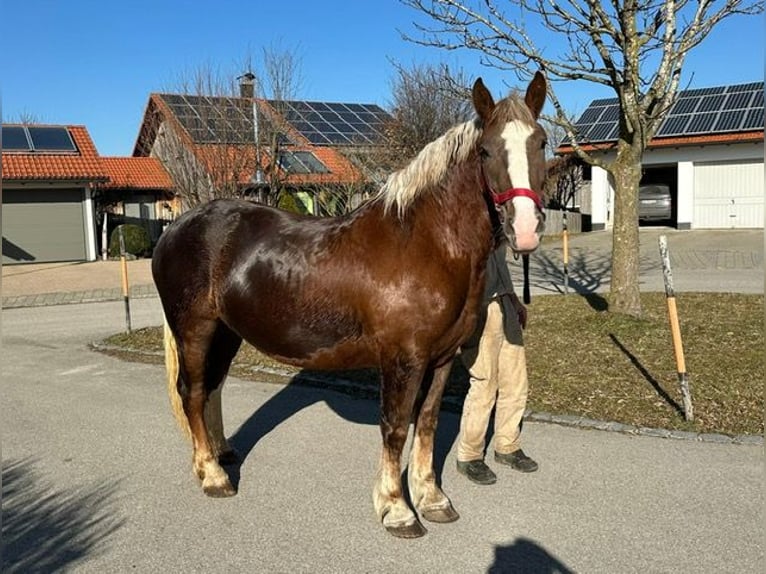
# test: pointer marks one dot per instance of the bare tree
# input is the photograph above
(636, 47)
(427, 100)
(24, 117)
(279, 80)
(563, 181)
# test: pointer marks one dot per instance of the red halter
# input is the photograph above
(509, 194)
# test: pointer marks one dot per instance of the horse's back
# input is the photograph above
(194, 246)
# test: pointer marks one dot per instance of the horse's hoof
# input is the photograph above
(443, 514)
(219, 490)
(414, 530)
(229, 458)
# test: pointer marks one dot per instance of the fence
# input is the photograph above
(554, 221)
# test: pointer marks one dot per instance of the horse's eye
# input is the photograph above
(542, 145)
(483, 153)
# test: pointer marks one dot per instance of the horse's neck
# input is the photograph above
(459, 213)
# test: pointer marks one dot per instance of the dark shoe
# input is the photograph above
(477, 471)
(517, 460)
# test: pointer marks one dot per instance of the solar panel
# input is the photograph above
(674, 125)
(753, 120)
(591, 115)
(14, 138)
(729, 121)
(685, 105)
(711, 103)
(336, 123)
(701, 123)
(716, 109)
(42, 139)
(738, 100)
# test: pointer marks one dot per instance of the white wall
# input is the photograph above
(692, 164)
(602, 203)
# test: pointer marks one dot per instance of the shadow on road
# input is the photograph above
(302, 392)
(45, 530)
(526, 557)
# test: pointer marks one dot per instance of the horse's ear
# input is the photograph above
(482, 100)
(536, 92)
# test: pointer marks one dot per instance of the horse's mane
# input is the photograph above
(430, 166)
(432, 163)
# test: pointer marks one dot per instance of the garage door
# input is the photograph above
(41, 226)
(728, 194)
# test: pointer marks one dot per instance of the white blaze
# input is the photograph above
(515, 135)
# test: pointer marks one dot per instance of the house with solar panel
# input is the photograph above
(709, 152)
(250, 147)
(54, 184)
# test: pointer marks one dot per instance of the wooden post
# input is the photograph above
(675, 330)
(124, 269)
(566, 252)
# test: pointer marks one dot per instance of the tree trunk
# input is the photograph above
(625, 294)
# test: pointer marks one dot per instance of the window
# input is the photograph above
(301, 162)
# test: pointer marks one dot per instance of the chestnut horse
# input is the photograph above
(396, 285)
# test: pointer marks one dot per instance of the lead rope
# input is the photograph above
(525, 264)
(527, 297)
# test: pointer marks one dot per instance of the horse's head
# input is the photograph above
(512, 149)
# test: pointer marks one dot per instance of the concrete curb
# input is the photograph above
(73, 297)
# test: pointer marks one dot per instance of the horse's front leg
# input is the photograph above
(400, 380)
(427, 497)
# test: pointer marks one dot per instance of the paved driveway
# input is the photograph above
(96, 478)
(726, 261)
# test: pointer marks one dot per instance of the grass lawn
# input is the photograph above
(586, 361)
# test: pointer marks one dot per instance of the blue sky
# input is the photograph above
(94, 63)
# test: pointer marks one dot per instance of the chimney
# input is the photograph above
(247, 85)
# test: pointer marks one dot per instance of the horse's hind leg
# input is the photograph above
(223, 348)
(427, 497)
(207, 352)
(400, 380)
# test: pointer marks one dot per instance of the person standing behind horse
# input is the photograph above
(496, 362)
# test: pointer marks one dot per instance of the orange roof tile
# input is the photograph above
(136, 173)
(85, 165)
(241, 159)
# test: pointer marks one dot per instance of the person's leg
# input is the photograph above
(481, 363)
(513, 386)
(511, 398)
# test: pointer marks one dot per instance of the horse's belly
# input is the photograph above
(293, 342)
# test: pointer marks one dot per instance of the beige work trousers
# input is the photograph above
(498, 372)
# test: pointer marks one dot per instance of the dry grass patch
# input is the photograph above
(586, 361)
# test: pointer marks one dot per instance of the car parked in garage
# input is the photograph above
(654, 202)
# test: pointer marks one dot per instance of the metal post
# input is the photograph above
(124, 268)
(566, 252)
(258, 171)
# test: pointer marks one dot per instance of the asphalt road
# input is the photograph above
(96, 478)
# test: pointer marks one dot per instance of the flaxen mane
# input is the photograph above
(430, 166)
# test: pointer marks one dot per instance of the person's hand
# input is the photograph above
(521, 310)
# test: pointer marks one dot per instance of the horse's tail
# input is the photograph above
(172, 371)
